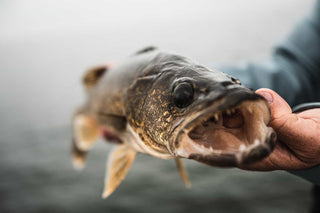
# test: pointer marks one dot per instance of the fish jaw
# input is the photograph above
(232, 131)
(141, 146)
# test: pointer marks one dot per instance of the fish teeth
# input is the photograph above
(203, 147)
(233, 111)
(242, 147)
(216, 116)
(256, 142)
(230, 111)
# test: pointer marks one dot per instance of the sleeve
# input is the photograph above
(312, 174)
(293, 71)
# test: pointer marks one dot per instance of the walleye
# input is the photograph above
(169, 107)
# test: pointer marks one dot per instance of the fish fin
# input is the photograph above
(118, 165)
(78, 156)
(93, 75)
(86, 132)
(145, 50)
(183, 172)
(85, 135)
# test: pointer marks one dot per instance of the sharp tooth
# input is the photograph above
(242, 147)
(233, 110)
(203, 147)
(216, 116)
(249, 109)
(256, 142)
(228, 112)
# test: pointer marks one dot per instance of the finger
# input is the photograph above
(282, 119)
(279, 107)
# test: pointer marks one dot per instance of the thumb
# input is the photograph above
(299, 133)
(286, 124)
(280, 109)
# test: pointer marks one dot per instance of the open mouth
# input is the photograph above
(228, 137)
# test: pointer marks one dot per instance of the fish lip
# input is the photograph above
(230, 159)
(259, 151)
(229, 99)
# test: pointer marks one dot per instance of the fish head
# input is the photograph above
(219, 121)
(189, 111)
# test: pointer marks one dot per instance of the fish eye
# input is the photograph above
(183, 95)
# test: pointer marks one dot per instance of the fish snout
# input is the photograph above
(258, 151)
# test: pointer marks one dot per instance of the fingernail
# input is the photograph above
(267, 96)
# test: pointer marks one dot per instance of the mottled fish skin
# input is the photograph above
(151, 103)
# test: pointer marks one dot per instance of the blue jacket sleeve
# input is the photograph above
(294, 68)
(293, 71)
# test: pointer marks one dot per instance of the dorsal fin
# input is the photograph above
(92, 76)
(145, 50)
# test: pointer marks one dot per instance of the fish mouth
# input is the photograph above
(228, 133)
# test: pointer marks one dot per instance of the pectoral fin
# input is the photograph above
(78, 156)
(119, 162)
(86, 132)
(183, 172)
(85, 135)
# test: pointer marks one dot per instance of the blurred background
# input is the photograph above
(44, 48)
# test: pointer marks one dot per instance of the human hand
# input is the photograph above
(298, 136)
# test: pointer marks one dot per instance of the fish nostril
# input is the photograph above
(226, 83)
(237, 81)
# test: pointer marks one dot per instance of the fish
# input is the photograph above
(167, 106)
